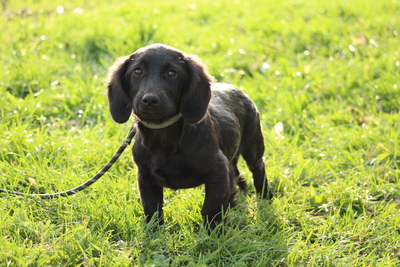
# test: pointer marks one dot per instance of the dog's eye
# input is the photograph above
(171, 73)
(138, 71)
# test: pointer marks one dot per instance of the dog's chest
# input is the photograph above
(173, 171)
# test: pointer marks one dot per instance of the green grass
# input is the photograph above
(332, 82)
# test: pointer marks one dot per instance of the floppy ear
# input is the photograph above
(195, 99)
(119, 100)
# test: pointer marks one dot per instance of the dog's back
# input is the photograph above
(238, 120)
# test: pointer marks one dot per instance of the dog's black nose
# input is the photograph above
(150, 100)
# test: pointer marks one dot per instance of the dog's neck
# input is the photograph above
(156, 126)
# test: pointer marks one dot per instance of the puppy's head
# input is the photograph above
(157, 82)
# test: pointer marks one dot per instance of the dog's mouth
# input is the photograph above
(160, 112)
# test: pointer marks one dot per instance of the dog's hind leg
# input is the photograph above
(252, 152)
(238, 179)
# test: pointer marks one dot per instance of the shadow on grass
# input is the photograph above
(252, 235)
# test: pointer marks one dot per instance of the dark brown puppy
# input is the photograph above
(189, 132)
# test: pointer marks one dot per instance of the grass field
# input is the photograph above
(325, 76)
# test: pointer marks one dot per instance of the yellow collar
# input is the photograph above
(156, 126)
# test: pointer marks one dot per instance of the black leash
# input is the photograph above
(88, 183)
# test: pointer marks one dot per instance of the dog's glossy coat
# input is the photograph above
(219, 123)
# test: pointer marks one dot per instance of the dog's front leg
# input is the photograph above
(152, 197)
(218, 192)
